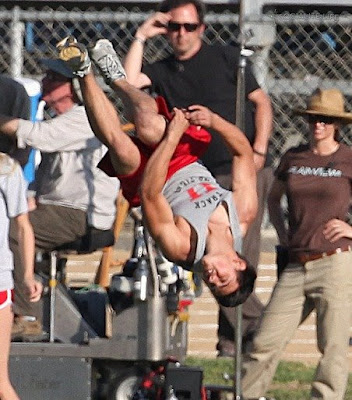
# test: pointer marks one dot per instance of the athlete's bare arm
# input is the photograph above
(243, 168)
(172, 238)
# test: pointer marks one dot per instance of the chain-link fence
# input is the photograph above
(309, 50)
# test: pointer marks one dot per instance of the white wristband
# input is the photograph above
(139, 40)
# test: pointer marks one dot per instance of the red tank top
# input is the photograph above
(191, 147)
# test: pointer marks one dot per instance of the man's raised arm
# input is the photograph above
(155, 25)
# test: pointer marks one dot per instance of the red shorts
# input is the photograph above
(191, 147)
(6, 298)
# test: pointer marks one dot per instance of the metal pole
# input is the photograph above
(17, 31)
(52, 286)
(240, 122)
(152, 263)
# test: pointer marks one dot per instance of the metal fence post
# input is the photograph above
(17, 31)
(254, 32)
(240, 122)
(262, 31)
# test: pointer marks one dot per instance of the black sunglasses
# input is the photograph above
(175, 26)
(312, 119)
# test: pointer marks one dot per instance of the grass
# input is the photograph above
(291, 382)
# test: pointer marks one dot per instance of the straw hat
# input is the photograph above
(327, 102)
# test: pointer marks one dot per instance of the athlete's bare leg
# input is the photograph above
(140, 107)
(106, 125)
(142, 110)
(7, 391)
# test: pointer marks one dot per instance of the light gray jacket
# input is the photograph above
(67, 175)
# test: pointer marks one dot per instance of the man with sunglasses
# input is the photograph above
(198, 73)
(73, 197)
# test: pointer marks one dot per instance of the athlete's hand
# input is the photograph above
(199, 115)
(154, 26)
(177, 126)
(336, 229)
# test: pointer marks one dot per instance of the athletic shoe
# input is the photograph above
(105, 58)
(26, 328)
(226, 348)
(75, 55)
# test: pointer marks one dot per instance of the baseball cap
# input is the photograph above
(58, 66)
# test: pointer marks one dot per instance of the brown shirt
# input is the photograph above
(318, 189)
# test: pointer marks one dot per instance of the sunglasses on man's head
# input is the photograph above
(313, 119)
(175, 26)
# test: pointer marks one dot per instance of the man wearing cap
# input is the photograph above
(316, 178)
(72, 195)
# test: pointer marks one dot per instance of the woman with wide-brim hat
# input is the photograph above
(316, 178)
(327, 103)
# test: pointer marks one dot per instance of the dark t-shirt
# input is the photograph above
(318, 189)
(209, 79)
(14, 102)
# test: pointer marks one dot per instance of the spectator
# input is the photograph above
(197, 73)
(14, 102)
(73, 196)
(316, 178)
(193, 220)
(13, 204)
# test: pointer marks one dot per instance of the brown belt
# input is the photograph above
(303, 258)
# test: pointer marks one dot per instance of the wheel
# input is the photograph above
(124, 385)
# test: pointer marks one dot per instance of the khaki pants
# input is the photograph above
(327, 283)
